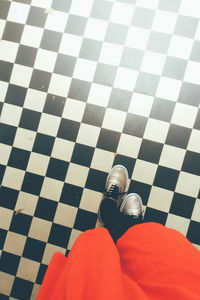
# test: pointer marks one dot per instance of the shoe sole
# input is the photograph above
(127, 198)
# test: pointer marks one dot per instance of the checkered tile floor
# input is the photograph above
(85, 85)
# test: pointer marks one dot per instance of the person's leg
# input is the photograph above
(116, 222)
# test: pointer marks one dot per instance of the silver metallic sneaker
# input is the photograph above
(132, 206)
(116, 186)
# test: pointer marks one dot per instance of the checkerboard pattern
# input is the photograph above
(85, 85)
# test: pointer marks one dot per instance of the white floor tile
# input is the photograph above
(45, 60)
(168, 88)
(125, 79)
(184, 115)
(141, 104)
(122, 13)
(59, 85)
(8, 51)
(188, 184)
(18, 12)
(99, 94)
(114, 119)
(73, 110)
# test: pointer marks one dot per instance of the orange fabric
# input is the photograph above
(149, 262)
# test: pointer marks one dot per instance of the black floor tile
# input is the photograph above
(116, 33)
(75, 24)
(43, 144)
(65, 65)
(96, 180)
(68, 130)
(71, 194)
(120, 99)
(178, 136)
(79, 90)
(189, 94)
(132, 58)
(32, 183)
(57, 169)
(147, 83)
(28, 115)
(162, 109)
(193, 232)
(4, 9)
(1, 107)
(41, 273)
(2, 171)
(108, 140)
(26, 56)
(197, 121)
(40, 80)
(3, 234)
(186, 26)
(174, 68)
(182, 205)
(166, 178)
(135, 125)
(59, 235)
(172, 6)
(150, 151)
(61, 5)
(9, 263)
(15, 95)
(22, 289)
(8, 197)
(105, 74)
(34, 249)
(82, 155)
(19, 158)
(90, 49)
(51, 40)
(85, 220)
(191, 163)
(159, 42)
(143, 17)
(195, 51)
(45, 209)
(36, 16)
(13, 32)
(21, 223)
(6, 70)
(154, 215)
(93, 115)
(7, 134)
(54, 105)
(101, 9)
(4, 297)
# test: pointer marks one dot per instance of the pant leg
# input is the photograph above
(116, 222)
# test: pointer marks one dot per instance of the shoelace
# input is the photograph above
(113, 192)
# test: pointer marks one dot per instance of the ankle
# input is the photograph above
(106, 208)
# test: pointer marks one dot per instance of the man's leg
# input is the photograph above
(116, 222)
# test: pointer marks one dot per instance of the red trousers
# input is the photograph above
(149, 261)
